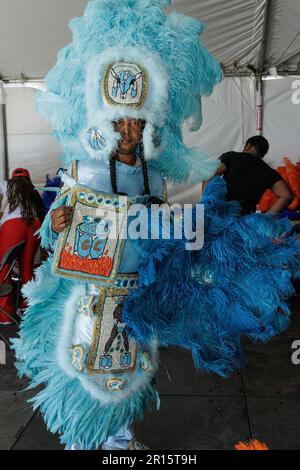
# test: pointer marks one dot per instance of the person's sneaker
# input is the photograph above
(74, 446)
(133, 444)
(136, 445)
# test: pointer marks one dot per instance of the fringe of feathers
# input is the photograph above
(237, 285)
(67, 408)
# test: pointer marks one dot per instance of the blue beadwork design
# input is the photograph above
(125, 359)
(95, 139)
(106, 361)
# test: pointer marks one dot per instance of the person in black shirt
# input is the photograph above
(248, 177)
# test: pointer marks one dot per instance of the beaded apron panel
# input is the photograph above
(111, 350)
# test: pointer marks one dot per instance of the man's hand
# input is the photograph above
(61, 218)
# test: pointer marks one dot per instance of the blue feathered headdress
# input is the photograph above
(129, 58)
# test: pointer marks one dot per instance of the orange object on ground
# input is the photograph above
(291, 175)
(252, 445)
(267, 201)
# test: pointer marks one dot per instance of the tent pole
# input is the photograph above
(259, 97)
(265, 32)
(3, 135)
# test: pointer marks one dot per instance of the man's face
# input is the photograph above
(131, 131)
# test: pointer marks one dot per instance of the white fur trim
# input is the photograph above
(101, 114)
(151, 152)
(78, 329)
(111, 138)
(136, 380)
(66, 337)
(156, 106)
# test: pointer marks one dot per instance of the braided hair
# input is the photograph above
(145, 171)
(21, 193)
(113, 172)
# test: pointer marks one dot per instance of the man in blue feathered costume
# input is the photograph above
(117, 99)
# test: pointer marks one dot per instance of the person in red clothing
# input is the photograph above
(22, 215)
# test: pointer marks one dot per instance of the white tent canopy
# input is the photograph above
(239, 33)
(260, 33)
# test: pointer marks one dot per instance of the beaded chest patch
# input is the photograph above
(91, 247)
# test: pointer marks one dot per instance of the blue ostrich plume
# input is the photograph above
(236, 285)
(129, 58)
